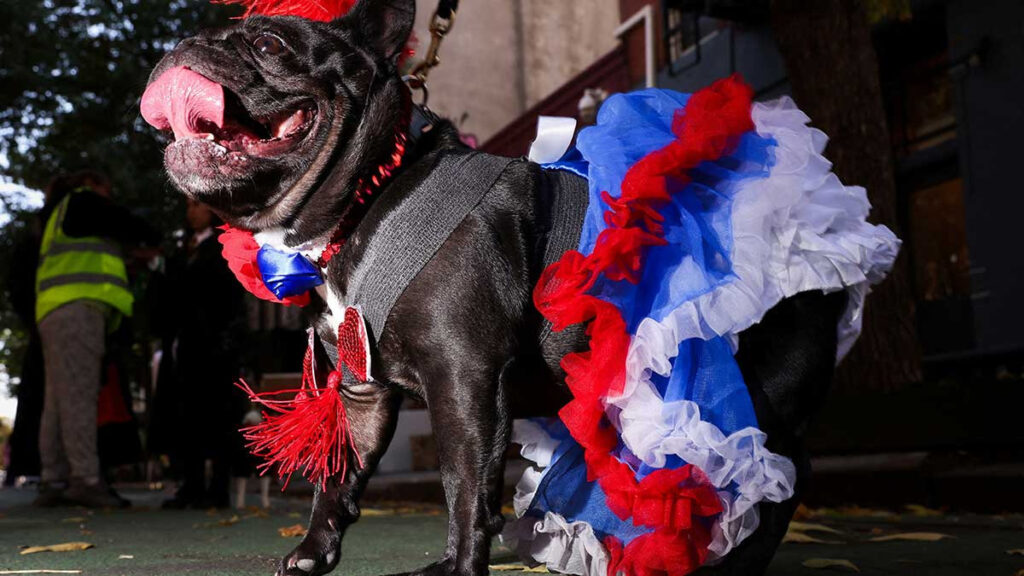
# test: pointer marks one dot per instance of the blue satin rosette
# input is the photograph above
(287, 273)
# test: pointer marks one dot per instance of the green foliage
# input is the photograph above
(881, 10)
(71, 75)
(13, 335)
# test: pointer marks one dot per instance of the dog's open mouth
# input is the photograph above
(269, 136)
(206, 118)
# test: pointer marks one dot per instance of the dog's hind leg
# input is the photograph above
(787, 361)
(372, 412)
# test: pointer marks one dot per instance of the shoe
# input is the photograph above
(95, 496)
(51, 494)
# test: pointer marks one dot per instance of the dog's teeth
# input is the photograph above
(375, 181)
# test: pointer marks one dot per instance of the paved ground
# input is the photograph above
(148, 541)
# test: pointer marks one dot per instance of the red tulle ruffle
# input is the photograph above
(680, 503)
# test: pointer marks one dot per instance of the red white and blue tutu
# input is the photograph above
(705, 211)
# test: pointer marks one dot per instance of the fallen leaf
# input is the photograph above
(518, 568)
(860, 512)
(1016, 552)
(822, 563)
(1019, 572)
(922, 511)
(809, 527)
(795, 537)
(126, 557)
(74, 519)
(508, 510)
(229, 521)
(255, 512)
(803, 513)
(376, 512)
(912, 537)
(294, 515)
(295, 531)
(64, 547)
(40, 571)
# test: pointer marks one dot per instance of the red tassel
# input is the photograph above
(308, 434)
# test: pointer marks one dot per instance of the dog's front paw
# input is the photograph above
(318, 553)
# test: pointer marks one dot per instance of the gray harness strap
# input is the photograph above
(409, 237)
(566, 212)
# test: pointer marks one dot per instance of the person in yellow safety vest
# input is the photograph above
(82, 293)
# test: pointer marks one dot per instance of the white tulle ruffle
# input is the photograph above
(797, 229)
(653, 430)
(562, 546)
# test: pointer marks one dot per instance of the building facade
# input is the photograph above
(952, 80)
(504, 56)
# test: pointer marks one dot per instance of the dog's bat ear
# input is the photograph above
(385, 23)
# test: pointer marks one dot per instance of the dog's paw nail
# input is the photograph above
(306, 565)
(290, 563)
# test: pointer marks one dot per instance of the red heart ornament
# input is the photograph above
(353, 345)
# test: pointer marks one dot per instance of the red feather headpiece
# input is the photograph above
(322, 10)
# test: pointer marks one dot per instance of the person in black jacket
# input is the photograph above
(197, 409)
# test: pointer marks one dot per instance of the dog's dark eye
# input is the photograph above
(268, 44)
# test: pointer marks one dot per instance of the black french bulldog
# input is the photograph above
(310, 111)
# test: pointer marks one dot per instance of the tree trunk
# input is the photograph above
(833, 70)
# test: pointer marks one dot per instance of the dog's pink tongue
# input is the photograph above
(184, 101)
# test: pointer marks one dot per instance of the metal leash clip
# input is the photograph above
(441, 24)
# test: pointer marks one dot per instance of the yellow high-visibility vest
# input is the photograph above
(86, 268)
